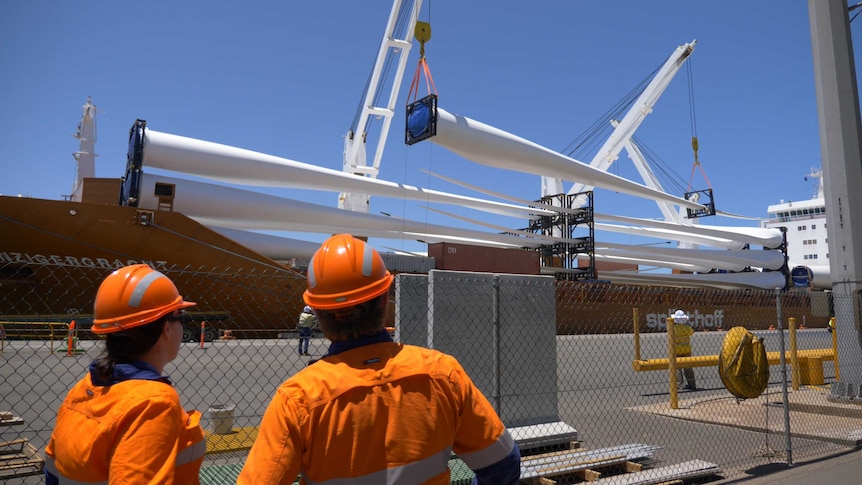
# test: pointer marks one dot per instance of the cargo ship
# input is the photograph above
(206, 234)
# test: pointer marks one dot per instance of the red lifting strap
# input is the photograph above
(429, 81)
(698, 165)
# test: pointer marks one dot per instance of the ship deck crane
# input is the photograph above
(395, 45)
(625, 128)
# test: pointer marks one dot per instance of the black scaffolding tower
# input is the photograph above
(563, 256)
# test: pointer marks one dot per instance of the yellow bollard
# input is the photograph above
(671, 363)
(794, 360)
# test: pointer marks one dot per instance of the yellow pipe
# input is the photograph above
(635, 320)
(671, 354)
(794, 359)
(712, 360)
(835, 347)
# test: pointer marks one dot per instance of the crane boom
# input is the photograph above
(624, 130)
(396, 43)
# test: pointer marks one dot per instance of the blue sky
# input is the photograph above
(285, 78)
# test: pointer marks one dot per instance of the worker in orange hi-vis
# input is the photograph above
(682, 346)
(123, 423)
(371, 410)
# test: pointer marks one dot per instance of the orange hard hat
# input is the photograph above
(344, 272)
(132, 296)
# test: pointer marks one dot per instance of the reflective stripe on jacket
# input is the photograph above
(383, 413)
(682, 334)
(132, 431)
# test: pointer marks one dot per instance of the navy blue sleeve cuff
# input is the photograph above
(505, 472)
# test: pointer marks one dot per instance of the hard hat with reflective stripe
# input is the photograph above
(132, 296)
(344, 272)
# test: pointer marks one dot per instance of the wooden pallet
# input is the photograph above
(18, 458)
(563, 468)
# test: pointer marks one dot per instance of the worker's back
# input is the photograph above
(384, 410)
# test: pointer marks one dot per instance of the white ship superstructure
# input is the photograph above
(807, 236)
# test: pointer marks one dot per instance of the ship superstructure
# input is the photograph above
(807, 235)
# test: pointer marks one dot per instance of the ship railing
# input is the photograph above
(20, 330)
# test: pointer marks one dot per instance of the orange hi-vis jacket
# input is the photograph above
(382, 413)
(130, 431)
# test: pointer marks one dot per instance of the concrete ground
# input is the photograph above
(813, 417)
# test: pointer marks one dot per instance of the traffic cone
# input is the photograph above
(71, 342)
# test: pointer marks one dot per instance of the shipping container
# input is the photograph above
(465, 257)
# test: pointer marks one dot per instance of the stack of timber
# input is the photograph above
(618, 465)
(18, 458)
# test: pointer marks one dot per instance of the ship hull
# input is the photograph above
(54, 254)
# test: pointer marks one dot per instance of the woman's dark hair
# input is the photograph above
(128, 345)
(354, 322)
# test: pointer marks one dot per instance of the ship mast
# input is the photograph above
(816, 174)
(85, 157)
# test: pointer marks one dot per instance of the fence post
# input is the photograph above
(496, 329)
(794, 359)
(671, 363)
(3, 340)
(788, 447)
(635, 320)
(834, 347)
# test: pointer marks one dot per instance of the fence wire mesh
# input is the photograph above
(567, 365)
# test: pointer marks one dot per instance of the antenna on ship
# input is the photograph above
(816, 174)
(85, 157)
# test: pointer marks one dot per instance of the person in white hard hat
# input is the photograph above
(305, 324)
(682, 331)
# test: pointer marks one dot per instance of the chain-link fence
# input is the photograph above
(579, 371)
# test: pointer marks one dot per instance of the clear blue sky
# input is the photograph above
(285, 78)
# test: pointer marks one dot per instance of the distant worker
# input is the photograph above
(123, 422)
(306, 323)
(682, 331)
(371, 410)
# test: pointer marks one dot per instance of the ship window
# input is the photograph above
(164, 190)
(813, 226)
